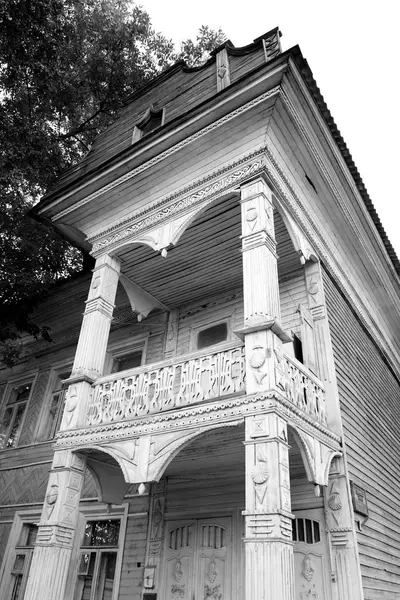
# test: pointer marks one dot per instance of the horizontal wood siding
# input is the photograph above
(370, 406)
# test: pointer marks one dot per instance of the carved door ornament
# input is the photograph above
(178, 571)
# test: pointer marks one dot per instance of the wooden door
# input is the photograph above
(311, 556)
(197, 560)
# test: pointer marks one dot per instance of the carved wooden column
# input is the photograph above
(346, 573)
(268, 541)
(93, 339)
(325, 367)
(52, 553)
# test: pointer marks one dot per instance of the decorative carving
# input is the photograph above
(272, 45)
(251, 217)
(212, 593)
(301, 387)
(167, 387)
(335, 502)
(51, 498)
(212, 572)
(178, 571)
(307, 569)
(71, 402)
(201, 416)
(260, 473)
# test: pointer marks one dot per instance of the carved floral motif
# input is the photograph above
(212, 572)
(178, 571)
(307, 569)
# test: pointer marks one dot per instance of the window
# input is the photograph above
(212, 335)
(98, 560)
(52, 412)
(151, 121)
(12, 418)
(127, 361)
(22, 561)
(306, 530)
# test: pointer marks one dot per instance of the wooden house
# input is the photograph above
(223, 423)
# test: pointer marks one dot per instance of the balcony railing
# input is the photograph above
(196, 378)
(301, 387)
(164, 386)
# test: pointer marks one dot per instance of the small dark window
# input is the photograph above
(306, 530)
(298, 348)
(154, 121)
(128, 361)
(212, 335)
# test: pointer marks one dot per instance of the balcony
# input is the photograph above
(166, 385)
(195, 379)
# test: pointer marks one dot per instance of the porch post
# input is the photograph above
(51, 557)
(52, 553)
(268, 528)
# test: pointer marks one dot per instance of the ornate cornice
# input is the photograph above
(204, 414)
(206, 190)
(163, 155)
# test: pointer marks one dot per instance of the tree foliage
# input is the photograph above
(65, 66)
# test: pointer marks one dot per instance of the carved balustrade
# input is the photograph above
(301, 387)
(167, 385)
(194, 379)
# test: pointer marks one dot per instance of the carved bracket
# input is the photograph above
(317, 457)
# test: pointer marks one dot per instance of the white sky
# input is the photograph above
(352, 48)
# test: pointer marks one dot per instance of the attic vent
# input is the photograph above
(151, 121)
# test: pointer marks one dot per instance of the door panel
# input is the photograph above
(311, 557)
(179, 560)
(197, 562)
(214, 560)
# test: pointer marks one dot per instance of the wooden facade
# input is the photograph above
(222, 422)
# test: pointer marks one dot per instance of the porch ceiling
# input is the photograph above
(206, 261)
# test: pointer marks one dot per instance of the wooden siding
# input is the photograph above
(133, 561)
(5, 529)
(370, 405)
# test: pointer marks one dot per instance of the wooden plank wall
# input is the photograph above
(133, 562)
(292, 292)
(370, 406)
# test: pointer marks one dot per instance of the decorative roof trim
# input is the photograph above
(316, 94)
(159, 157)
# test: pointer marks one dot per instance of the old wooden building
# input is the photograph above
(223, 423)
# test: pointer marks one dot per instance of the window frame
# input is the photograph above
(13, 384)
(57, 374)
(137, 133)
(13, 548)
(195, 329)
(98, 512)
(118, 350)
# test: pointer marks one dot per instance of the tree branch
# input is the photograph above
(81, 127)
